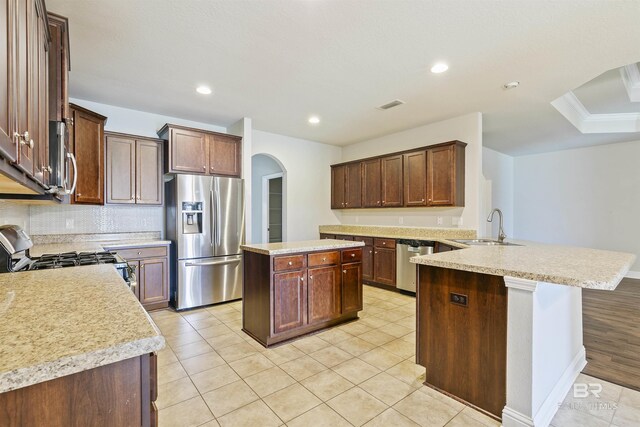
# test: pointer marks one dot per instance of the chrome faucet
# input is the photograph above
(501, 235)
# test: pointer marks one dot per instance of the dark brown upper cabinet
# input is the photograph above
(426, 176)
(415, 178)
(59, 67)
(195, 151)
(346, 184)
(224, 155)
(445, 175)
(391, 182)
(86, 140)
(133, 170)
(371, 176)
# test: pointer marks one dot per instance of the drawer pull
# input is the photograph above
(353, 255)
(324, 260)
(290, 263)
(384, 243)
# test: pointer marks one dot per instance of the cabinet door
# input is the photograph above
(392, 181)
(440, 168)
(323, 293)
(338, 181)
(224, 155)
(148, 175)
(43, 100)
(384, 266)
(121, 155)
(415, 179)
(8, 144)
(24, 83)
(367, 263)
(353, 186)
(371, 183)
(188, 151)
(351, 287)
(153, 280)
(88, 141)
(289, 301)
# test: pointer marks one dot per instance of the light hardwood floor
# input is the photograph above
(612, 333)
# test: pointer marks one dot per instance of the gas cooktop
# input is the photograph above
(73, 259)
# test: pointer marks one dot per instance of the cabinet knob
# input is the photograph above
(290, 263)
(204, 168)
(383, 202)
(302, 279)
(344, 271)
(384, 243)
(48, 168)
(378, 202)
(324, 260)
(132, 199)
(310, 277)
(375, 252)
(429, 199)
(30, 143)
(346, 203)
(353, 255)
(422, 200)
(139, 253)
(79, 194)
(370, 252)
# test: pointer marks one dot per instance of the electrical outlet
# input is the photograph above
(69, 223)
(440, 220)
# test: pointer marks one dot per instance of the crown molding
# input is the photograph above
(575, 112)
(631, 78)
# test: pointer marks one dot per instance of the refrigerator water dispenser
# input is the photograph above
(191, 217)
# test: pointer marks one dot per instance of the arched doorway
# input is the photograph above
(268, 199)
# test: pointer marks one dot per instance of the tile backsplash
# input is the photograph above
(75, 219)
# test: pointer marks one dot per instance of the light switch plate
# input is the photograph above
(69, 223)
(440, 220)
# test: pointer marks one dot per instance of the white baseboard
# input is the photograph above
(633, 274)
(513, 418)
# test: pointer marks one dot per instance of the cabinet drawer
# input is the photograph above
(352, 255)
(368, 241)
(384, 243)
(146, 252)
(324, 258)
(343, 237)
(294, 262)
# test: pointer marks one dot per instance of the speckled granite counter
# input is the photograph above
(392, 232)
(302, 246)
(116, 244)
(58, 322)
(573, 266)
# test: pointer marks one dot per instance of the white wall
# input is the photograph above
(583, 197)
(307, 177)
(467, 128)
(15, 213)
(261, 165)
(497, 169)
(137, 122)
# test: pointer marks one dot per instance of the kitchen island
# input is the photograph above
(512, 345)
(294, 288)
(77, 349)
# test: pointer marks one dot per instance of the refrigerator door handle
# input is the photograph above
(213, 209)
(205, 264)
(218, 221)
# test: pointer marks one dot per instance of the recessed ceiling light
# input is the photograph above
(440, 67)
(511, 85)
(314, 120)
(205, 90)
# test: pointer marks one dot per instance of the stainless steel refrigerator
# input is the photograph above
(205, 221)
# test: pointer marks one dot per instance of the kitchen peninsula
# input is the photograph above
(293, 288)
(514, 360)
(72, 335)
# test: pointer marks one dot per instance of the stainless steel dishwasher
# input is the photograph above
(405, 270)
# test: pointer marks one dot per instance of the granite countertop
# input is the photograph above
(563, 265)
(119, 244)
(302, 246)
(59, 248)
(439, 234)
(58, 322)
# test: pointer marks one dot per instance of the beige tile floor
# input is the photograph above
(360, 373)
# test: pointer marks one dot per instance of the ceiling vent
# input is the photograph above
(391, 104)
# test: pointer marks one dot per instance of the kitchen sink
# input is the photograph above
(484, 242)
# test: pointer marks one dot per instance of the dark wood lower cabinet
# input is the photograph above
(384, 266)
(291, 295)
(462, 335)
(114, 395)
(151, 265)
(324, 297)
(288, 301)
(367, 262)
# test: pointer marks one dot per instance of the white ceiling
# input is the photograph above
(280, 61)
(606, 94)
